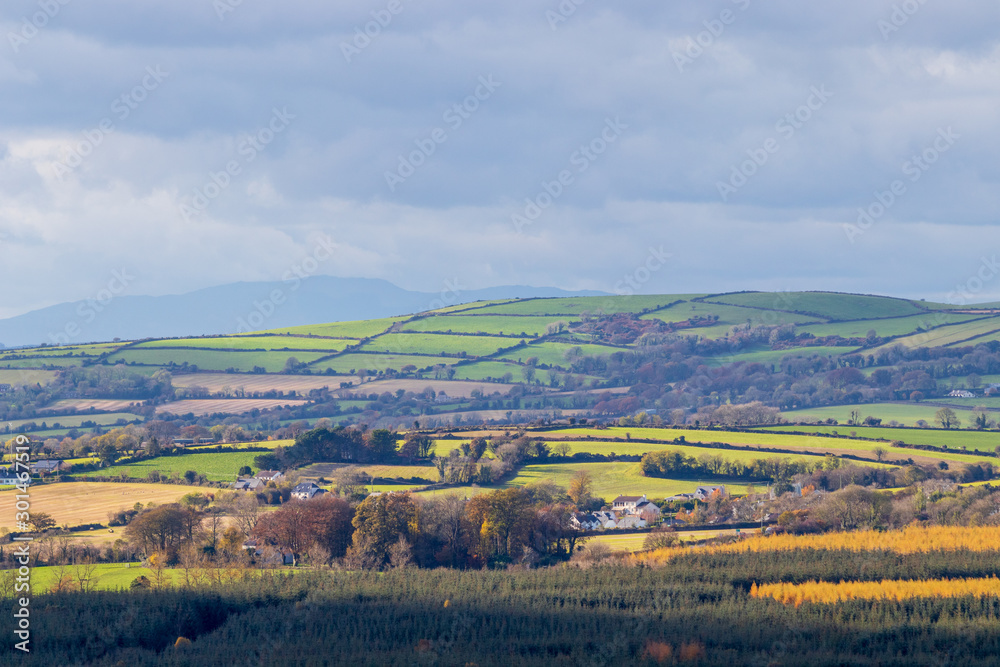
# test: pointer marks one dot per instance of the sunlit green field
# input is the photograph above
(252, 343)
(215, 360)
(427, 343)
(825, 304)
(982, 441)
(215, 466)
(357, 329)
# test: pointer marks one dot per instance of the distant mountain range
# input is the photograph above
(239, 307)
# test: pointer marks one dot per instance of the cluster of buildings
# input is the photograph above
(259, 482)
(626, 512)
(629, 512)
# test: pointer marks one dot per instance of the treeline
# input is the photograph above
(675, 463)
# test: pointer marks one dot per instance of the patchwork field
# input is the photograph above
(76, 503)
(26, 377)
(982, 441)
(522, 327)
(214, 360)
(425, 343)
(348, 364)
(454, 388)
(828, 305)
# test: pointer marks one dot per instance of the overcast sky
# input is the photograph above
(702, 146)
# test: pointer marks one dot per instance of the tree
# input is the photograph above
(580, 488)
(160, 529)
(981, 418)
(244, 471)
(379, 521)
(947, 418)
(879, 453)
(502, 519)
(246, 512)
(107, 453)
(381, 444)
(40, 522)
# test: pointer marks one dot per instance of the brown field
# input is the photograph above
(216, 382)
(102, 404)
(76, 503)
(454, 388)
(235, 406)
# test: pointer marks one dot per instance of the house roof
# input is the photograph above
(268, 474)
(629, 499)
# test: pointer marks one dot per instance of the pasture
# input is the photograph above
(896, 326)
(356, 330)
(950, 335)
(828, 305)
(76, 503)
(26, 377)
(981, 441)
(907, 414)
(428, 343)
(613, 479)
(216, 466)
(245, 343)
(214, 360)
(453, 388)
(482, 370)
(521, 327)
(728, 315)
(555, 353)
(74, 421)
(350, 363)
(574, 306)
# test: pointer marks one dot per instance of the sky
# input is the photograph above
(643, 147)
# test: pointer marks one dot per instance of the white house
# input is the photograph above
(306, 490)
(607, 520)
(582, 521)
(961, 393)
(627, 504)
(270, 476)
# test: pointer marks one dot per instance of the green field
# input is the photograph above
(824, 304)
(613, 479)
(348, 363)
(521, 327)
(775, 356)
(106, 576)
(980, 441)
(906, 414)
(483, 370)
(640, 448)
(728, 315)
(358, 329)
(572, 306)
(39, 362)
(773, 440)
(242, 343)
(213, 360)
(26, 377)
(553, 353)
(949, 335)
(896, 326)
(217, 467)
(427, 343)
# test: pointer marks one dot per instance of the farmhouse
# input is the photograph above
(649, 512)
(627, 504)
(631, 521)
(270, 476)
(961, 393)
(252, 484)
(8, 477)
(47, 467)
(306, 490)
